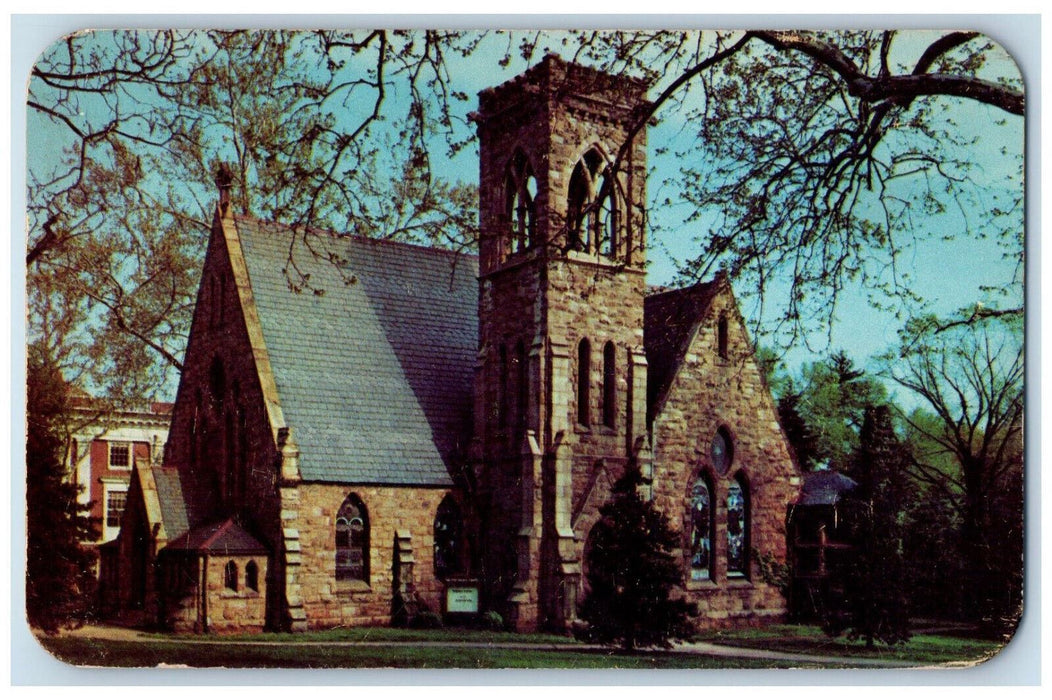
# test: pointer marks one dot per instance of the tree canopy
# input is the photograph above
(809, 162)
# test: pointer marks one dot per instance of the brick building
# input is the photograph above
(364, 428)
(103, 445)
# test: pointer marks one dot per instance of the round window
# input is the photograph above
(722, 451)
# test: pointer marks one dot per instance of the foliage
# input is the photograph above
(632, 573)
(322, 128)
(60, 580)
(829, 408)
(426, 620)
(774, 571)
(806, 155)
(969, 376)
(491, 620)
(798, 432)
(876, 606)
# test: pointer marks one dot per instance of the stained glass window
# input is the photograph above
(737, 530)
(352, 541)
(700, 531)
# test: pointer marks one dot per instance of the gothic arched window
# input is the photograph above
(352, 541)
(591, 213)
(448, 533)
(520, 191)
(702, 525)
(252, 576)
(738, 528)
(584, 378)
(609, 385)
(230, 575)
(721, 336)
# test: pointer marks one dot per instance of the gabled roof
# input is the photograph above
(224, 537)
(373, 359)
(183, 504)
(670, 319)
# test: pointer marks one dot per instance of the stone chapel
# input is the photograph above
(365, 429)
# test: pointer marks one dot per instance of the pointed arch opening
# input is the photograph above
(738, 528)
(592, 215)
(352, 541)
(449, 543)
(520, 192)
(722, 340)
(584, 382)
(252, 576)
(230, 575)
(609, 385)
(702, 524)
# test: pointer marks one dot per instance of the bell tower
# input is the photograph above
(560, 396)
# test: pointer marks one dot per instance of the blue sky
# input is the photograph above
(950, 273)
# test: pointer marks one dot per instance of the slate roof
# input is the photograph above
(374, 369)
(225, 537)
(669, 322)
(824, 488)
(182, 504)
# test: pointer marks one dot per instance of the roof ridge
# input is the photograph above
(337, 235)
(223, 527)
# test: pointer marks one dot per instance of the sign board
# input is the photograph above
(462, 600)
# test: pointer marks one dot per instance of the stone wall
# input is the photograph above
(229, 610)
(331, 603)
(710, 392)
(537, 490)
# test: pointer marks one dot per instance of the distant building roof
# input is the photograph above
(824, 488)
(374, 358)
(670, 318)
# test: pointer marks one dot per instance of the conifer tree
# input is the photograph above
(60, 581)
(876, 605)
(797, 431)
(632, 573)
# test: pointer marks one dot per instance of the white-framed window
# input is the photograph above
(120, 455)
(115, 504)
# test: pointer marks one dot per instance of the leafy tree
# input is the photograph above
(876, 602)
(832, 402)
(814, 148)
(969, 375)
(322, 128)
(632, 574)
(60, 580)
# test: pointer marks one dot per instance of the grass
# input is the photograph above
(83, 651)
(380, 647)
(805, 639)
(391, 634)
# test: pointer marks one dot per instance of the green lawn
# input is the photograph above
(323, 650)
(92, 652)
(805, 639)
